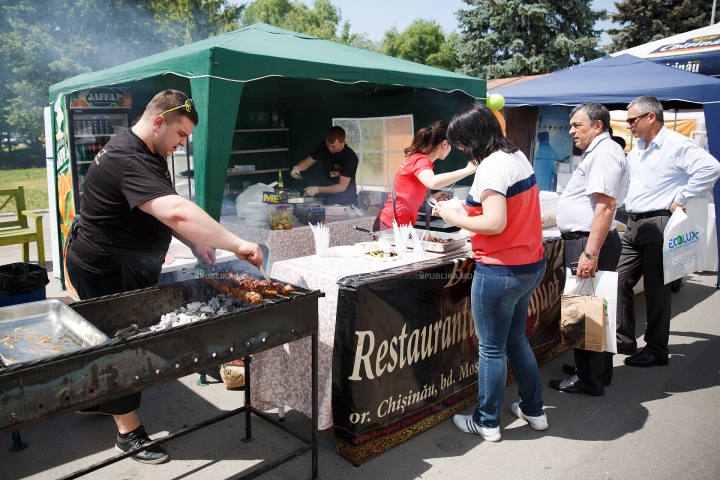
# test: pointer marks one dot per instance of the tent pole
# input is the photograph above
(712, 18)
(675, 124)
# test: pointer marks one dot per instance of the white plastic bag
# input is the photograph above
(254, 193)
(702, 214)
(604, 285)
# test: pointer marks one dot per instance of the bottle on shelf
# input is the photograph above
(274, 116)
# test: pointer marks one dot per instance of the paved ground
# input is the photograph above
(652, 423)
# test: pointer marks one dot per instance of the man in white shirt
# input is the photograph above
(666, 169)
(586, 219)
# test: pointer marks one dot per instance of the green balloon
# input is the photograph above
(495, 101)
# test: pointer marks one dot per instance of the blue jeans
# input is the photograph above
(499, 305)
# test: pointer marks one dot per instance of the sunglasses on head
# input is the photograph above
(632, 120)
(188, 106)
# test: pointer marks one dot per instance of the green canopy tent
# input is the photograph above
(317, 79)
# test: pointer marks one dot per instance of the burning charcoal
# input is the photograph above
(215, 302)
(209, 309)
(194, 306)
(222, 310)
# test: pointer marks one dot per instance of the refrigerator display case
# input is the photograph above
(82, 123)
(90, 130)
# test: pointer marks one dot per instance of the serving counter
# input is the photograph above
(397, 346)
(298, 241)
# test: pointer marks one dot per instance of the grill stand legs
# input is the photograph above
(248, 407)
(310, 444)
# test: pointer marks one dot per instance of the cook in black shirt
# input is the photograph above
(339, 163)
(129, 213)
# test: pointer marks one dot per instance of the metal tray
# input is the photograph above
(35, 330)
(459, 241)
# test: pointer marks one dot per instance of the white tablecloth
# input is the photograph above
(282, 375)
(298, 242)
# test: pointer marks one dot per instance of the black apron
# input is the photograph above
(139, 268)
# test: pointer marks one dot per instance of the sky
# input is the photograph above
(375, 17)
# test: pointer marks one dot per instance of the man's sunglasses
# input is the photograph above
(188, 106)
(632, 120)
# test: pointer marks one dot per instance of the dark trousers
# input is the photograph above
(642, 257)
(594, 369)
(91, 285)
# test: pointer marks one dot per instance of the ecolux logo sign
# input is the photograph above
(684, 239)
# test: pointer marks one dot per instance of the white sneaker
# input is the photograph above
(468, 425)
(537, 423)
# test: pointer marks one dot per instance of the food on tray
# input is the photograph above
(432, 238)
(381, 254)
(247, 288)
(367, 246)
(281, 219)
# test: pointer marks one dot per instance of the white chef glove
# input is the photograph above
(295, 173)
(311, 191)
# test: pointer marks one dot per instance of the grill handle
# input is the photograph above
(128, 332)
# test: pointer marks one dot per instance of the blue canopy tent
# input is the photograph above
(615, 81)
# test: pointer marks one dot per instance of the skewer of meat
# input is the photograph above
(235, 292)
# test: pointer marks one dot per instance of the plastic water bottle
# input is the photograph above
(546, 160)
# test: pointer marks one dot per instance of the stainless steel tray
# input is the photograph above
(458, 241)
(31, 331)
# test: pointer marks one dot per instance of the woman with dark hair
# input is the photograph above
(415, 176)
(504, 217)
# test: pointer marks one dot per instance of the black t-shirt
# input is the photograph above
(343, 163)
(123, 175)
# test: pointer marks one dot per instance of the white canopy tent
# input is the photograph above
(695, 51)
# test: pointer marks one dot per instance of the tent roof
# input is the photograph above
(681, 44)
(614, 82)
(261, 51)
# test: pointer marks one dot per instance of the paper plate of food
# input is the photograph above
(381, 255)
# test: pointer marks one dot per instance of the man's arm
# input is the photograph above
(339, 187)
(703, 169)
(305, 163)
(192, 224)
(602, 219)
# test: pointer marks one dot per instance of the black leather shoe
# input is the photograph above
(568, 386)
(137, 439)
(643, 359)
(569, 369)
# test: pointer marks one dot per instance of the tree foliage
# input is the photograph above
(43, 42)
(320, 21)
(648, 20)
(422, 42)
(506, 38)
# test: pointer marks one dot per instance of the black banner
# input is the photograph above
(406, 353)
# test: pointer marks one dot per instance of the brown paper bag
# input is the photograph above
(582, 322)
(232, 375)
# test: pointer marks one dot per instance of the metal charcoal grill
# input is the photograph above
(33, 392)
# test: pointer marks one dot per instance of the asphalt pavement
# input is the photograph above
(652, 423)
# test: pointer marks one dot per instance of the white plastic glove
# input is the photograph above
(311, 191)
(295, 173)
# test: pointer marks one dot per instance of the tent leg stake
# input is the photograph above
(18, 445)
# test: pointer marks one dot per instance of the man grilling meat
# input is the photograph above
(130, 211)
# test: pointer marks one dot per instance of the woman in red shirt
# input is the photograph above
(415, 176)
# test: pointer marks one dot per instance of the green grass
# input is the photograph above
(35, 182)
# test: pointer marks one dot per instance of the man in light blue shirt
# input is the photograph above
(586, 219)
(666, 169)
